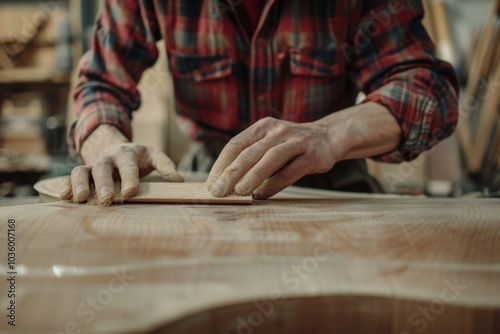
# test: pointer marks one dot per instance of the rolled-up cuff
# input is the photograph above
(414, 112)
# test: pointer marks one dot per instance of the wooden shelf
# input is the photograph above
(33, 75)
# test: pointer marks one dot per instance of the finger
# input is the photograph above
(235, 146)
(65, 192)
(164, 165)
(239, 167)
(272, 161)
(126, 162)
(226, 157)
(285, 177)
(80, 183)
(102, 172)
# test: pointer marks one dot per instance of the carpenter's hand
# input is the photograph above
(269, 156)
(108, 156)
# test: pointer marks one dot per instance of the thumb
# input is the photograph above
(164, 165)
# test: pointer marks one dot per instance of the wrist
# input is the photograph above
(337, 127)
(104, 135)
(362, 131)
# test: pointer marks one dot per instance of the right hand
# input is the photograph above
(109, 156)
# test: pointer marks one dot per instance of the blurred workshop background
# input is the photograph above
(41, 42)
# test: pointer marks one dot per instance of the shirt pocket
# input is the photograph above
(316, 63)
(205, 88)
(197, 68)
(317, 85)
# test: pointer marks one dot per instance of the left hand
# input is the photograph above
(269, 156)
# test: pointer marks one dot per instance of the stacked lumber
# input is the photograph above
(479, 125)
(437, 23)
(442, 166)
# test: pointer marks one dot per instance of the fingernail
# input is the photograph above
(127, 186)
(65, 190)
(174, 177)
(126, 192)
(128, 189)
(217, 188)
(79, 190)
(241, 188)
(105, 191)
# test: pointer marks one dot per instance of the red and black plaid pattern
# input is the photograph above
(305, 60)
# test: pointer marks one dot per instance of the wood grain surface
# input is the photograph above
(304, 262)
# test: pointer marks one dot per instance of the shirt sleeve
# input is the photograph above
(122, 47)
(393, 61)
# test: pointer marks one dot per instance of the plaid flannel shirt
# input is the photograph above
(305, 60)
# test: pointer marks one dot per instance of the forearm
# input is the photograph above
(108, 74)
(399, 69)
(362, 131)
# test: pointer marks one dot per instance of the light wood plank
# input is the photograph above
(179, 193)
(479, 71)
(429, 20)
(487, 122)
(152, 192)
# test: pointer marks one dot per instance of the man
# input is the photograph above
(279, 77)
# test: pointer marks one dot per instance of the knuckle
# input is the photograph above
(110, 150)
(101, 165)
(125, 155)
(262, 126)
(129, 169)
(234, 143)
(78, 170)
(252, 153)
(269, 120)
(302, 144)
(285, 176)
(233, 168)
(314, 155)
(258, 174)
(315, 162)
(101, 168)
(281, 129)
(281, 154)
(126, 150)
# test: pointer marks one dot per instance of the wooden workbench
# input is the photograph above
(304, 262)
